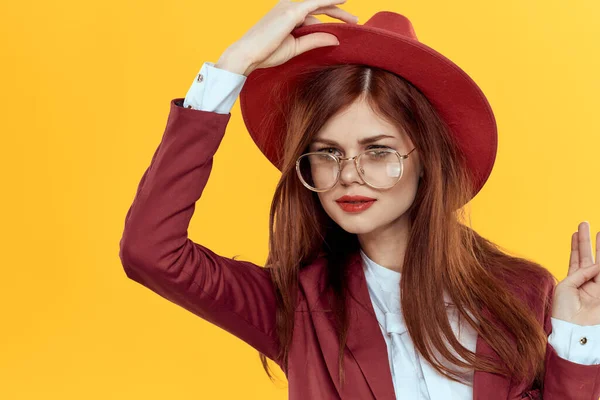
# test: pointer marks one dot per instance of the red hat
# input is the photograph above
(388, 41)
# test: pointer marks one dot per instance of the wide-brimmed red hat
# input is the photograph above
(388, 41)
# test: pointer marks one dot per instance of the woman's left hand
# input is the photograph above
(577, 297)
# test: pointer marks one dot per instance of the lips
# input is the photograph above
(355, 204)
(354, 199)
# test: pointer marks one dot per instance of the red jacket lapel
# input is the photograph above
(365, 340)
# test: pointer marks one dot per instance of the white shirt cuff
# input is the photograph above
(217, 91)
(576, 343)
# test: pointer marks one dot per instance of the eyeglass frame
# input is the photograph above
(355, 158)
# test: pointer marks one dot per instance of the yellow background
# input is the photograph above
(86, 88)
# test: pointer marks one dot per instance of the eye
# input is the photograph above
(329, 150)
(378, 155)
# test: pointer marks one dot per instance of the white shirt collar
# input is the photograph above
(389, 279)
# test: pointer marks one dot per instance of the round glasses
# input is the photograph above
(378, 168)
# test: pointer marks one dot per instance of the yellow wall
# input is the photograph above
(86, 88)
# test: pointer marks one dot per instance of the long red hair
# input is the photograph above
(443, 253)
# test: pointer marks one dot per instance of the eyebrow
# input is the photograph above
(363, 141)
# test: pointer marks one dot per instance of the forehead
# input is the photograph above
(357, 122)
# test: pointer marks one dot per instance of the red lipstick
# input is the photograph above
(355, 204)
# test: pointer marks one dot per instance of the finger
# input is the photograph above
(314, 4)
(597, 277)
(314, 40)
(586, 258)
(574, 257)
(336, 12)
(310, 20)
(582, 275)
(310, 6)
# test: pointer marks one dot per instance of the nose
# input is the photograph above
(348, 173)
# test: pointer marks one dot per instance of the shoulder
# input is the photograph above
(534, 285)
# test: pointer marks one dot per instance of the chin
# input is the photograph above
(356, 224)
(366, 222)
(357, 228)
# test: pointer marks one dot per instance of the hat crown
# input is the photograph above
(393, 22)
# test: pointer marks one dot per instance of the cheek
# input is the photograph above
(327, 200)
(403, 194)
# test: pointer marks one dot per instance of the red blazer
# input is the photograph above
(238, 296)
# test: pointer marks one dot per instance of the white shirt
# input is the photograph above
(216, 91)
(415, 378)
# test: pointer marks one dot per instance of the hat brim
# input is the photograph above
(456, 97)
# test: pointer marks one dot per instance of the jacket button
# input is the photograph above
(189, 106)
(583, 340)
(200, 78)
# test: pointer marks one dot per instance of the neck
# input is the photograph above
(387, 245)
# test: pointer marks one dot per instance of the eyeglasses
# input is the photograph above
(378, 168)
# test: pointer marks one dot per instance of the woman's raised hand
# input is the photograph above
(270, 43)
(577, 297)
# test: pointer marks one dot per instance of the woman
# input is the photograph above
(381, 141)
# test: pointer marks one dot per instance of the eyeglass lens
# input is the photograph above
(378, 168)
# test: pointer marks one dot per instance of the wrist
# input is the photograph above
(234, 62)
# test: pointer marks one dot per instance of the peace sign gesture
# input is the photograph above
(577, 297)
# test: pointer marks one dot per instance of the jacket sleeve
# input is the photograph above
(238, 296)
(564, 379)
